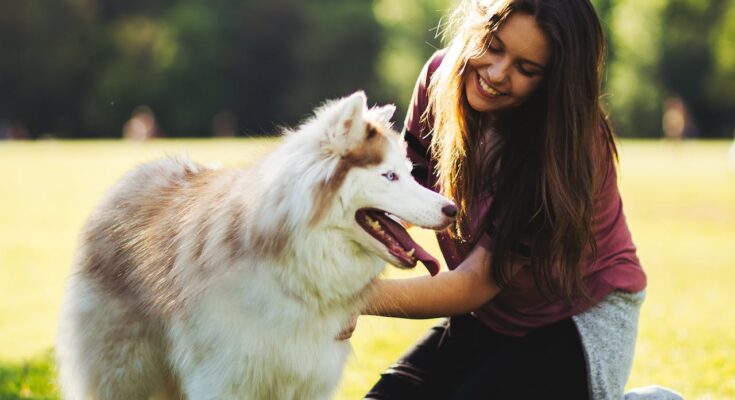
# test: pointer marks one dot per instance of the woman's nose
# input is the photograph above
(497, 72)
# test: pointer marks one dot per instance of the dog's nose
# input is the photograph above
(450, 210)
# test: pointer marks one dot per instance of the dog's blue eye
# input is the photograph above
(391, 176)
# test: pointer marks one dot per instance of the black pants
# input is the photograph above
(462, 359)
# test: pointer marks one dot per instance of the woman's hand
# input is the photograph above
(348, 329)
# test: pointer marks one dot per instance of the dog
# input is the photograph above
(202, 283)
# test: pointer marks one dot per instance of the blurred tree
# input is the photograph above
(80, 67)
(604, 11)
(47, 51)
(413, 29)
(290, 56)
(264, 60)
(721, 82)
(694, 63)
(138, 55)
(633, 85)
(681, 49)
(191, 60)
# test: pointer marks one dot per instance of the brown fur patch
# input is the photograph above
(371, 131)
(272, 243)
(201, 240)
(131, 244)
(369, 152)
(233, 238)
(196, 189)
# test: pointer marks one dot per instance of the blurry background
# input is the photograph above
(189, 69)
(84, 68)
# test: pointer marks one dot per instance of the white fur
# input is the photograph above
(258, 323)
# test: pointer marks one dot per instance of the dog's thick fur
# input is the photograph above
(215, 284)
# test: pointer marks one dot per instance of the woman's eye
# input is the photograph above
(527, 72)
(494, 49)
(391, 176)
(493, 46)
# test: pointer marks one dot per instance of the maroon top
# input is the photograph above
(521, 306)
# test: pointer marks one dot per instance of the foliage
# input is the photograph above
(697, 61)
(80, 67)
(634, 92)
(671, 48)
(413, 34)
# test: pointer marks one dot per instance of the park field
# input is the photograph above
(679, 199)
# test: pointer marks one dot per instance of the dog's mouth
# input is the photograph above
(395, 238)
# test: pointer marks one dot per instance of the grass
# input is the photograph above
(679, 200)
(32, 379)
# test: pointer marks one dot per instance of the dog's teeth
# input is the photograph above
(372, 223)
(411, 252)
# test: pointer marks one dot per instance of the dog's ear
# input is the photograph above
(349, 128)
(384, 113)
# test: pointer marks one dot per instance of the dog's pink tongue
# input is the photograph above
(429, 262)
(399, 233)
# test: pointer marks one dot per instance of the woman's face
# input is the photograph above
(511, 68)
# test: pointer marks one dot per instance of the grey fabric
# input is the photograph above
(608, 332)
(653, 392)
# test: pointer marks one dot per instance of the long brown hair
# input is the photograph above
(551, 153)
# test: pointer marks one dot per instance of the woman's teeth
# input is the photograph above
(487, 87)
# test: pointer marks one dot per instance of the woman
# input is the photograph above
(544, 285)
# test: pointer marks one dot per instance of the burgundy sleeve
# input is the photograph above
(610, 228)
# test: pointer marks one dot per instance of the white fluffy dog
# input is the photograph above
(221, 284)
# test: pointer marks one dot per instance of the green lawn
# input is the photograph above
(679, 198)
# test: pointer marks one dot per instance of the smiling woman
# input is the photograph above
(511, 69)
(544, 285)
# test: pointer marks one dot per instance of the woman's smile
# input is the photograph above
(486, 90)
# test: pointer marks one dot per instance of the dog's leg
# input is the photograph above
(104, 350)
(212, 377)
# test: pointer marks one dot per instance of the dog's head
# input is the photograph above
(370, 185)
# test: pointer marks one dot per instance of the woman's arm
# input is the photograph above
(449, 293)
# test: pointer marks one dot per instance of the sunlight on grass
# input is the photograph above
(680, 203)
(679, 199)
